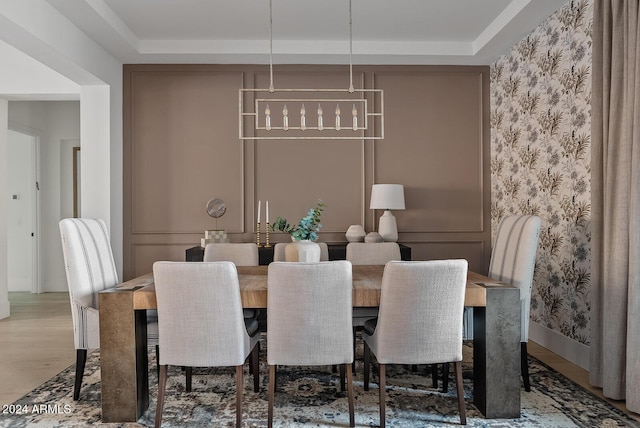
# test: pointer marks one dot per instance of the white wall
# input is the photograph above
(38, 30)
(54, 121)
(21, 202)
(95, 156)
(20, 74)
(4, 119)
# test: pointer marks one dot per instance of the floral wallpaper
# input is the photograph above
(540, 159)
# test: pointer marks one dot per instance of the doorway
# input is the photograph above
(22, 212)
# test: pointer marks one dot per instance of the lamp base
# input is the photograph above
(387, 227)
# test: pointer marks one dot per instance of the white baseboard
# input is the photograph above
(4, 309)
(575, 352)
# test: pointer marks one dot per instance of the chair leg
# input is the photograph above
(251, 363)
(353, 364)
(445, 377)
(434, 375)
(239, 396)
(81, 359)
(188, 374)
(158, 361)
(352, 419)
(524, 366)
(382, 392)
(272, 393)
(367, 362)
(255, 364)
(162, 383)
(460, 392)
(342, 377)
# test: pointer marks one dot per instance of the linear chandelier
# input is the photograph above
(311, 114)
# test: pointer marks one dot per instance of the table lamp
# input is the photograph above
(387, 197)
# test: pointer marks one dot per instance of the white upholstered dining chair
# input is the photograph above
(201, 323)
(309, 319)
(90, 268)
(513, 260)
(370, 253)
(278, 251)
(420, 320)
(241, 254)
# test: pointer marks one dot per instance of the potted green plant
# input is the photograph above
(303, 234)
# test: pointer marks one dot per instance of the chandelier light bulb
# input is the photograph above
(267, 118)
(303, 120)
(354, 112)
(320, 125)
(337, 117)
(285, 118)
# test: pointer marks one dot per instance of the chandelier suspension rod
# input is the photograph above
(367, 111)
(351, 90)
(271, 89)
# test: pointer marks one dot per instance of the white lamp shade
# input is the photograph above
(387, 197)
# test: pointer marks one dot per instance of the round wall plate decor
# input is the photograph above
(216, 208)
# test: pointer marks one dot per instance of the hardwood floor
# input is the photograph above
(37, 343)
(573, 372)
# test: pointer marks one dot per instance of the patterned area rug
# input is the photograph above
(311, 397)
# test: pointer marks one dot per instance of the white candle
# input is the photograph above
(258, 211)
(267, 212)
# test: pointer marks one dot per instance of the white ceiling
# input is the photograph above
(307, 31)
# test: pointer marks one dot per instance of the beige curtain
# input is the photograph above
(615, 312)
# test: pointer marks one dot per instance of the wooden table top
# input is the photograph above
(367, 281)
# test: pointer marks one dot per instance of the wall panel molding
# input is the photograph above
(181, 148)
(436, 121)
(144, 255)
(170, 153)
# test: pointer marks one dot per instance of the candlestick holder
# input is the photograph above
(267, 244)
(258, 234)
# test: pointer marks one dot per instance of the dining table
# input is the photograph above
(124, 351)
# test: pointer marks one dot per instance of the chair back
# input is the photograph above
(278, 251)
(513, 258)
(369, 253)
(420, 318)
(88, 259)
(200, 317)
(90, 268)
(309, 313)
(241, 254)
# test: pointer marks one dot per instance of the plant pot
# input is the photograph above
(302, 251)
